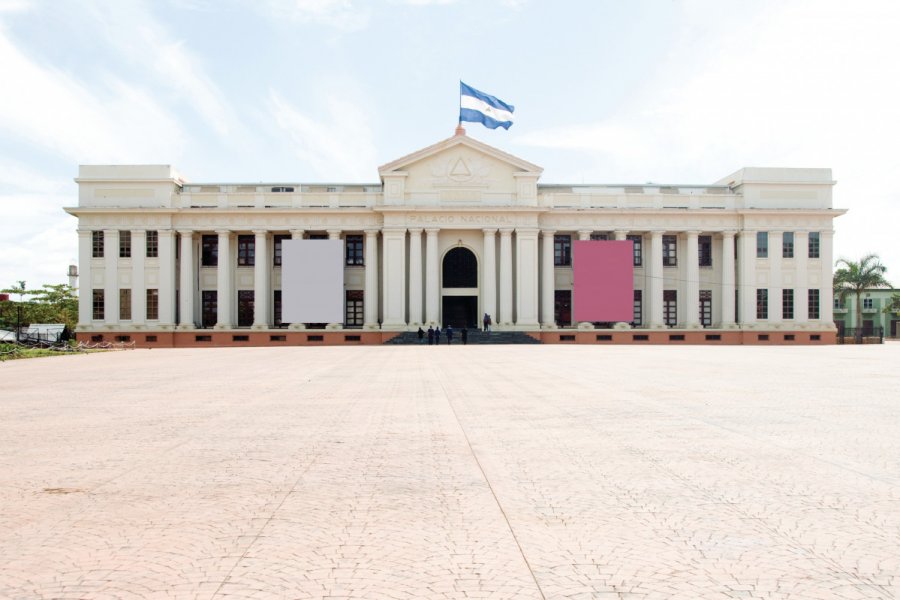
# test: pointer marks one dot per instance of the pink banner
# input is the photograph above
(603, 285)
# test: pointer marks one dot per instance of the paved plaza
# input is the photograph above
(453, 472)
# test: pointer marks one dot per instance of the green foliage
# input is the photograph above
(855, 277)
(894, 305)
(50, 304)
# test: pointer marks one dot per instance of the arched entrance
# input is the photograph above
(460, 288)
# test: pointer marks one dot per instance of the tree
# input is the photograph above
(50, 304)
(894, 305)
(855, 277)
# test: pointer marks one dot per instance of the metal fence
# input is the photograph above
(860, 335)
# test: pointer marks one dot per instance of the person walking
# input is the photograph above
(421, 334)
(437, 335)
(449, 331)
(486, 321)
(465, 335)
(430, 335)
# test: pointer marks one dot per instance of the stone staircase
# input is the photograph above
(476, 336)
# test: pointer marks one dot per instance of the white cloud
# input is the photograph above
(11, 6)
(47, 107)
(344, 15)
(339, 148)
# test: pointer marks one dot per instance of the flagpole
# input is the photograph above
(459, 125)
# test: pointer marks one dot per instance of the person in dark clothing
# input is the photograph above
(430, 335)
(449, 334)
(437, 335)
(421, 334)
(465, 335)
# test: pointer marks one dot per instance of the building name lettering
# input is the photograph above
(474, 219)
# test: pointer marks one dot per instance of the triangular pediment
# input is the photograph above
(459, 142)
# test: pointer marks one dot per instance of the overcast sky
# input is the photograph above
(668, 91)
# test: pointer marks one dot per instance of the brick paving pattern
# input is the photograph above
(453, 472)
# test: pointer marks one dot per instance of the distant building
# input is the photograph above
(874, 302)
(446, 234)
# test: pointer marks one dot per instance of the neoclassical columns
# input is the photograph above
(261, 280)
(801, 277)
(548, 280)
(85, 283)
(297, 234)
(223, 281)
(506, 278)
(111, 276)
(726, 298)
(655, 318)
(826, 292)
(621, 235)
(527, 277)
(432, 277)
(394, 270)
(584, 235)
(489, 274)
(370, 295)
(166, 278)
(415, 277)
(747, 273)
(186, 320)
(692, 282)
(776, 239)
(138, 286)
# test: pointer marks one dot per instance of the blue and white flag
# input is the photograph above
(478, 107)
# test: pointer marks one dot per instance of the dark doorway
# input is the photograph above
(563, 308)
(461, 311)
(894, 328)
(460, 269)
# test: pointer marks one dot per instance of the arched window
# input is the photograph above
(460, 269)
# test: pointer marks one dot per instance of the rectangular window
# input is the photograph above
(704, 247)
(125, 304)
(813, 303)
(706, 308)
(276, 250)
(276, 312)
(152, 304)
(209, 251)
(152, 244)
(599, 236)
(638, 309)
(762, 244)
(246, 250)
(97, 244)
(353, 309)
(562, 250)
(762, 303)
(124, 244)
(670, 250)
(867, 303)
(353, 246)
(814, 244)
(670, 307)
(209, 308)
(245, 308)
(787, 244)
(787, 304)
(98, 305)
(838, 303)
(638, 248)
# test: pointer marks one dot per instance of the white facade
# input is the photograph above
(458, 193)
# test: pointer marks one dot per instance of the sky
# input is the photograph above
(664, 91)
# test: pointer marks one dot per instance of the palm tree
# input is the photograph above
(856, 277)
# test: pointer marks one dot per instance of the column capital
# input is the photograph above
(372, 232)
(185, 232)
(656, 233)
(261, 231)
(297, 234)
(548, 232)
(727, 233)
(692, 233)
(138, 232)
(620, 234)
(527, 230)
(334, 233)
(490, 232)
(431, 231)
(116, 231)
(223, 231)
(585, 234)
(393, 231)
(416, 231)
(506, 232)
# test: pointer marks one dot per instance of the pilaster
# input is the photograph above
(415, 277)
(111, 277)
(370, 295)
(85, 279)
(138, 286)
(692, 282)
(186, 295)
(548, 280)
(223, 281)
(261, 280)
(432, 277)
(506, 278)
(394, 270)
(489, 274)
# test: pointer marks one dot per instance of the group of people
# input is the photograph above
(434, 333)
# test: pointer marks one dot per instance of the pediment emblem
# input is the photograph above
(460, 171)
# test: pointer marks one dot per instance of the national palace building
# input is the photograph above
(449, 233)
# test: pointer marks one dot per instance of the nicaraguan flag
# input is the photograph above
(478, 107)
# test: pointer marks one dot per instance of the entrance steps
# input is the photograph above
(476, 336)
